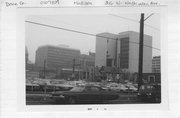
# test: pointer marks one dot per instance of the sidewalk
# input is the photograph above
(125, 99)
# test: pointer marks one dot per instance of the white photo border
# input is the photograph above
(21, 94)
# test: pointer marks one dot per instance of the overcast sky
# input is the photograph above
(37, 35)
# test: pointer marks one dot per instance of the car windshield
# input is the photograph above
(57, 82)
(92, 88)
(142, 87)
(114, 86)
(158, 87)
(77, 89)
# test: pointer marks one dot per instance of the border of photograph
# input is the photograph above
(23, 12)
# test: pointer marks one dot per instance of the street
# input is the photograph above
(44, 99)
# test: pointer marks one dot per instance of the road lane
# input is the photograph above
(44, 99)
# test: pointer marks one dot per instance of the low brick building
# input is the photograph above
(149, 77)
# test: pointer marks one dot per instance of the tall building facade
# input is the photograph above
(105, 49)
(156, 64)
(26, 55)
(56, 56)
(122, 51)
(87, 64)
(87, 60)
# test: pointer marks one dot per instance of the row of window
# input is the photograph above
(155, 61)
(156, 65)
(62, 49)
(63, 54)
(54, 64)
(124, 53)
(62, 57)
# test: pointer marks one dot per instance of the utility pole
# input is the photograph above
(141, 38)
(44, 69)
(56, 72)
(116, 56)
(73, 68)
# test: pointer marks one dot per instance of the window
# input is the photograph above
(109, 62)
(92, 88)
(149, 87)
(124, 53)
(78, 89)
(142, 87)
(151, 78)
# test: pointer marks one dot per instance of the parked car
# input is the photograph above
(84, 94)
(123, 88)
(131, 88)
(32, 87)
(117, 87)
(150, 93)
(114, 87)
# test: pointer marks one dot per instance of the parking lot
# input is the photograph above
(44, 99)
(82, 92)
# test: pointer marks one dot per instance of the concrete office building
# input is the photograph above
(87, 60)
(105, 48)
(87, 64)
(156, 64)
(26, 55)
(56, 56)
(122, 50)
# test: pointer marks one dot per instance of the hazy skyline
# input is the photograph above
(37, 35)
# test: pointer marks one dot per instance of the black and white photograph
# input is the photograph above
(93, 59)
(89, 59)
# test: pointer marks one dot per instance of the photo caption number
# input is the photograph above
(12, 4)
(21, 3)
(90, 109)
(109, 3)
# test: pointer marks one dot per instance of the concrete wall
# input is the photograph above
(120, 36)
(102, 46)
(134, 53)
(41, 55)
(156, 64)
(59, 57)
(147, 54)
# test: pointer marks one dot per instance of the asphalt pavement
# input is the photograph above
(44, 99)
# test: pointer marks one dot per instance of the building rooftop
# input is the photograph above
(130, 32)
(60, 46)
(156, 57)
(111, 35)
(106, 35)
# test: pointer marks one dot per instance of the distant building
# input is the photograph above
(56, 56)
(31, 74)
(148, 78)
(87, 60)
(156, 64)
(91, 53)
(26, 55)
(122, 51)
(87, 64)
(105, 49)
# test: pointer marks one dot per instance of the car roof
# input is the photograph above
(153, 84)
(91, 86)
